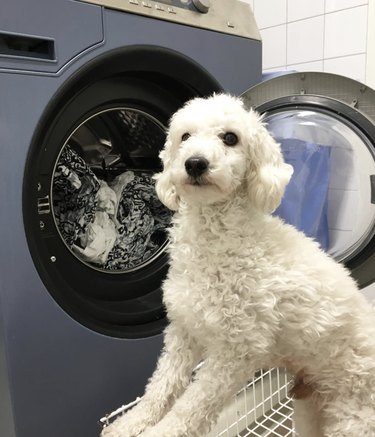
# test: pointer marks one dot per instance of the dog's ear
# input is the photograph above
(165, 189)
(268, 174)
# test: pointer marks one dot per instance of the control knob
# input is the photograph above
(202, 5)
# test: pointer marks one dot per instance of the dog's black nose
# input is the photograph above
(196, 166)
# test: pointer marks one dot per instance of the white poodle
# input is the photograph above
(246, 291)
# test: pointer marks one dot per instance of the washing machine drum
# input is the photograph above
(103, 199)
(96, 228)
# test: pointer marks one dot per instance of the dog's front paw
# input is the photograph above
(110, 431)
(153, 431)
(130, 424)
(169, 426)
(159, 431)
(115, 430)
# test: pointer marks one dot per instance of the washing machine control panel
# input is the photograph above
(238, 19)
(195, 5)
(198, 5)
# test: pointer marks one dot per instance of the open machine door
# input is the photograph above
(325, 125)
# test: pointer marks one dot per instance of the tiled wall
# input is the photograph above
(315, 35)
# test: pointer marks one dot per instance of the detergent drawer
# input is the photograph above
(37, 44)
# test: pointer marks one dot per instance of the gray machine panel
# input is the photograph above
(6, 412)
(236, 20)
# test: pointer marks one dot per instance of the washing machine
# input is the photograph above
(86, 91)
(325, 124)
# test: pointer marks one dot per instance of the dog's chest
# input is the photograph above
(201, 314)
(213, 277)
(208, 295)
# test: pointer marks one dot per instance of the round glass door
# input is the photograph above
(330, 195)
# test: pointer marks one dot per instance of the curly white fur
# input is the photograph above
(246, 291)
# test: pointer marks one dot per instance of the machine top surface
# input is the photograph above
(207, 14)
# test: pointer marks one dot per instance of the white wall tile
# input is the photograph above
(370, 64)
(299, 9)
(274, 46)
(336, 5)
(337, 39)
(305, 40)
(307, 66)
(269, 12)
(345, 32)
(350, 66)
(340, 213)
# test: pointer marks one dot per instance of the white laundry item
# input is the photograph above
(106, 198)
(98, 240)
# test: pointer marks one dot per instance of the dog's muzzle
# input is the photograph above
(196, 166)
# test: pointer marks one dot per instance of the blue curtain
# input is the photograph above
(305, 201)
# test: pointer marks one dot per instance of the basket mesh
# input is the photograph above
(261, 408)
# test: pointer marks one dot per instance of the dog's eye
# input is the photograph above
(185, 136)
(230, 139)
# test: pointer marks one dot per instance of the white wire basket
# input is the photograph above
(262, 408)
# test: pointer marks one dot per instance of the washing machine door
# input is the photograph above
(325, 125)
(96, 230)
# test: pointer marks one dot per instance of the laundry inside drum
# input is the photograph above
(104, 201)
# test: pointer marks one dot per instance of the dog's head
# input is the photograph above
(216, 149)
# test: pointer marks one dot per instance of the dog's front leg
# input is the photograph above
(173, 373)
(197, 409)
